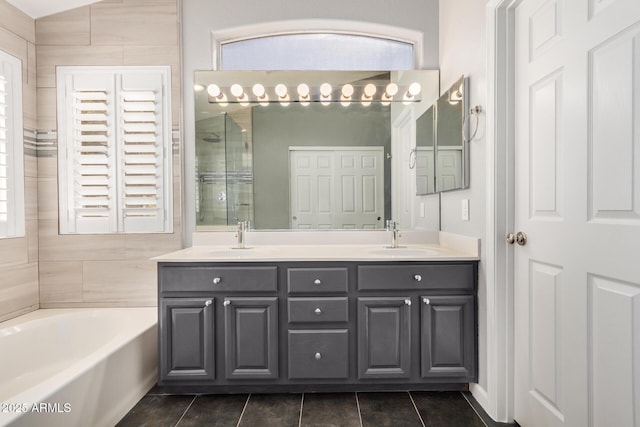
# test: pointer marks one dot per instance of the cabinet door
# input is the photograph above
(251, 337)
(448, 337)
(384, 337)
(187, 339)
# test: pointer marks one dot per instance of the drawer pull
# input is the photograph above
(207, 303)
(417, 278)
(426, 301)
(317, 282)
(407, 302)
(217, 280)
(226, 303)
(318, 356)
(318, 311)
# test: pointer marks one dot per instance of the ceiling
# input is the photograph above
(39, 8)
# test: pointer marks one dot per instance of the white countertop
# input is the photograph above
(342, 252)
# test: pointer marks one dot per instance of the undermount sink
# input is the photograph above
(403, 251)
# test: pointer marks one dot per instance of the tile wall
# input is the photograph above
(46, 269)
(101, 270)
(19, 256)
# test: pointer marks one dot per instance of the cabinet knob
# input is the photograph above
(226, 303)
(207, 303)
(317, 281)
(317, 311)
(217, 280)
(417, 278)
(318, 356)
(407, 302)
(426, 300)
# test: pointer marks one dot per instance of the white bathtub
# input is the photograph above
(76, 367)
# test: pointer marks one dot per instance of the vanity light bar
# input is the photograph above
(365, 93)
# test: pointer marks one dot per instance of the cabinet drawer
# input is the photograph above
(319, 354)
(312, 280)
(315, 310)
(416, 276)
(211, 279)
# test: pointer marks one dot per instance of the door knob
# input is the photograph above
(520, 238)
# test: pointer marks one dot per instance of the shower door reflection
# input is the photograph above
(224, 171)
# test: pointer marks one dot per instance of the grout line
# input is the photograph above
(416, 409)
(244, 408)
(186, 410)
(301, 408)
(358, 405)
(474, 409)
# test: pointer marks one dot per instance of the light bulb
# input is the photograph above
(303, 90)
(347, 90)
(213, 90)
(236, 90)
(414, 88)
(370, 90)
(258, 90)
(391, 89)
(281, 90)
(325, 90)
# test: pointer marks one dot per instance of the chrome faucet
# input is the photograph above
(243, 227)
(395, 232)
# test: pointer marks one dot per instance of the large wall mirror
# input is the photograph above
(301, 149)
(442, 154)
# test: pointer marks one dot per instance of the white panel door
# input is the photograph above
(359, 180)
(425, 172)
(337, 188)
(577, 160)
(311, 187)
(449, 168)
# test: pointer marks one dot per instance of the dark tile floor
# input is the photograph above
(430, 409)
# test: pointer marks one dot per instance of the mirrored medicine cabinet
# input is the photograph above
(441, 153)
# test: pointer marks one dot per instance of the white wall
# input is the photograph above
(463, 51)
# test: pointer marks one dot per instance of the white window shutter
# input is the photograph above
(114, 150)
(4, 155)
(89, 155)
(12, 214)
(143, 133)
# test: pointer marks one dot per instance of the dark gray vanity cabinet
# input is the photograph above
(384, 337)
(447, 336)
(251, 337)
(309, 326)
(318, 323)
(187, 351)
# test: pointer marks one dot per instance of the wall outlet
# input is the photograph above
(465, 209)
(421, 209)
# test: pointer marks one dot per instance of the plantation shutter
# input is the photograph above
(4, 144)
(142, 152)
(117, 134)
(89, 165)
(11, 148)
